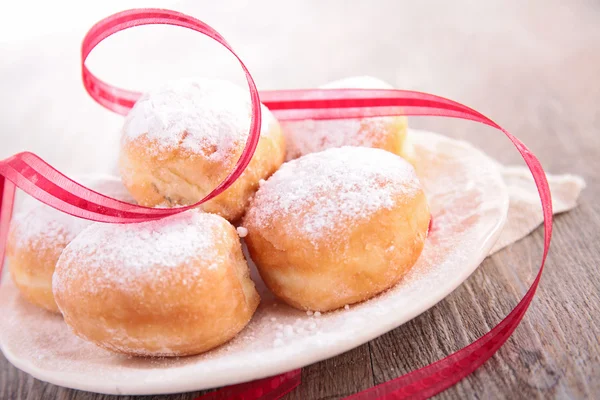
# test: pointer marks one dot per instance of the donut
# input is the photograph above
(181, 140)
(172, 287)
(38, 236)
(387, 133)
(337, 227)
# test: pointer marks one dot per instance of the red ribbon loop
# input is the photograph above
(39, 179)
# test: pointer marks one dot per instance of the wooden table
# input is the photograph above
(532, 66)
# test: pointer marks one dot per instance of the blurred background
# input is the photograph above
(530, 65)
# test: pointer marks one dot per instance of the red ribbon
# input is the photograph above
(40, 180)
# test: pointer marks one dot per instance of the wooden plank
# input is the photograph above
(337, 377)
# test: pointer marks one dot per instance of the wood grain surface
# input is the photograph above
(532, 66)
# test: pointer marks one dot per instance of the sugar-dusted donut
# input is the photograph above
(172, 287)
(337, 227)
(38, 236)
(181, 140)
(388, 133)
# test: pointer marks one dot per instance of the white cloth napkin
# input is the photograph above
(525, 210)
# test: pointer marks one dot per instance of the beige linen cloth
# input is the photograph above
(525, 210)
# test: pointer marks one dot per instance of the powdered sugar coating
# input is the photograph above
(123, 254)
(320, 194)
(310, 136)
(200, 115)
(42, 226)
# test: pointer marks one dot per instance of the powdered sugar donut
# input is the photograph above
(337, 227)
(176, 286)
(388, 133)
(38, 236)
(181, 140)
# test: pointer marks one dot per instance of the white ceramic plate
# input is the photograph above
(469, 203)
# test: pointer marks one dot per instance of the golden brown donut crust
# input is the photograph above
(181, 310)
(358, 260)
(174, 175)
(319, 279)
(38, 237)
(31, 269)
(386, 133)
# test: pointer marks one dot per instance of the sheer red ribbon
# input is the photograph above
(40, 180)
